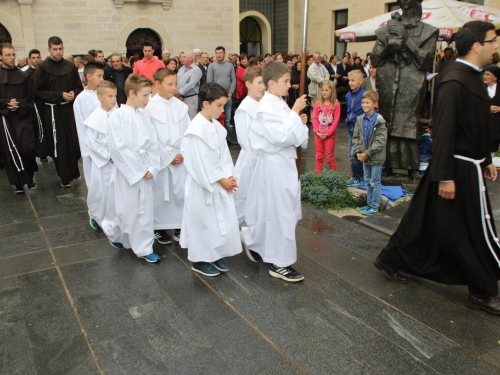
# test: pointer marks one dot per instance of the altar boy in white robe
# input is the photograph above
(209, 225)
(170, 117)
(98, 149)
(133, 146)
(85, 103)
(273, 201)
(243, 118)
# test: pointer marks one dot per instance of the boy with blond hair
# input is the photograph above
(273, 202)
(133, 146)
(97, 146)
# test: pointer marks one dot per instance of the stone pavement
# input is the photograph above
(72, 304)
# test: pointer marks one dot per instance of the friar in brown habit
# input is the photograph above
(448, 234)
(57, 83)
(17, 138)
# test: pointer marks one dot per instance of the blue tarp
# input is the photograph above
(391, 192)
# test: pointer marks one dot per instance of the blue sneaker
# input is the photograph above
(360, 209)
(116, 245)
(221, 265)
(353, 182)
(151, 258)
(205, 268)
(369, 211)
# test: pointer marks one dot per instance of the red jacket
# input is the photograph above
(241, 89)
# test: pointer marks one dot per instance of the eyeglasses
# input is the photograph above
(494, 40)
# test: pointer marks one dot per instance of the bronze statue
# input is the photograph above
(403, 53)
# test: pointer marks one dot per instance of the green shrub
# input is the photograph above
(320, 196)
(327, 190)
(332, 180)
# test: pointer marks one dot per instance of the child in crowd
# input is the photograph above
(353, 102)
(85, 104)
(273, 201)
(209, 225)
(133, 146)
(369, 140)
(425, 150)
(326, 116)
(243, 118)
(170, 117)
(98, 149)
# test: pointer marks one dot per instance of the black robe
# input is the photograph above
(439, 239)
(17, 139)
(52, 78)
(42, 146)
(495, 121)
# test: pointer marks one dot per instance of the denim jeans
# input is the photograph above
(373, 175)
(356, 165)
(227, 118)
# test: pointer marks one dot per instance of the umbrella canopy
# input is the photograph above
(447, 15)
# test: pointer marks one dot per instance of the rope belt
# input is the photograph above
(485, 215)
(54, 130)
(12, 146)
(40, 126)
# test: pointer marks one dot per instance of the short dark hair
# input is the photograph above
(472, 32)
(242, 56)
(6, 46)
(220, 48)
(346, 53)
(34, 51)
(210, 92)
(54, 41)
(147, 44)
(98, 51)
(91, 67)
(92, 52)
(274, 70)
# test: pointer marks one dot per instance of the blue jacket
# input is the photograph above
(353, 103)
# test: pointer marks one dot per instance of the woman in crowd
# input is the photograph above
(490, 77)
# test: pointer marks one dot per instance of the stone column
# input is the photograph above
(27, 25)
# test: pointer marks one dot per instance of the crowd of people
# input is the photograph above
(156, 158)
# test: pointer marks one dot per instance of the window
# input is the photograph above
(341, 17)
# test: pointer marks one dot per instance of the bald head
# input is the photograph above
(165, 54)
(188, 58)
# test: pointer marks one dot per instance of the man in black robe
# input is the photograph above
(448, 234)
(57, 83)
(17, 139)
(42, 146)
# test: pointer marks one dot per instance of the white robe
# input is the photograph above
(85, 103)
(133, 146)
(171, 120)
(243, 170)
(100, 171)
(273, 201)
(209, 225)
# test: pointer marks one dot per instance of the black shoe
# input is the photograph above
(32, 186)
(66, 186)
(19, 189)
(177, 235)
(491, 304)
(252, 255)
(163, 237)
(285, 273)
(232, 143)
(391, 273)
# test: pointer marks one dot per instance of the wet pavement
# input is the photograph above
(72, 304)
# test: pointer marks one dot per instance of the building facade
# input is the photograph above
(251, 26)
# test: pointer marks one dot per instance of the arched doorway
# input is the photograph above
(137, 38)
(250, 37)
(5, 35)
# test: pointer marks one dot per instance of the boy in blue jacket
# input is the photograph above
(369, 140)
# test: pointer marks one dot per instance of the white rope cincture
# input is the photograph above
(40, 126)
(10, 143)
(485, 215)
(54, 130)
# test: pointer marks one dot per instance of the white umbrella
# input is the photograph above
(447, 15)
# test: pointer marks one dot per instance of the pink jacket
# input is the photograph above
(326, 120)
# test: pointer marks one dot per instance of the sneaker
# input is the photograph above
(32, 186)
(177, 235)
(221, 265)
(151, 258)
(285, 273)
(353, 181)
(360, 209)
(116, 245)
(252, 255)
(93, 223)
(19, 189)
(78, 178)
(205, 269)
(163, 237)
(369, 211)
(65, 185)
